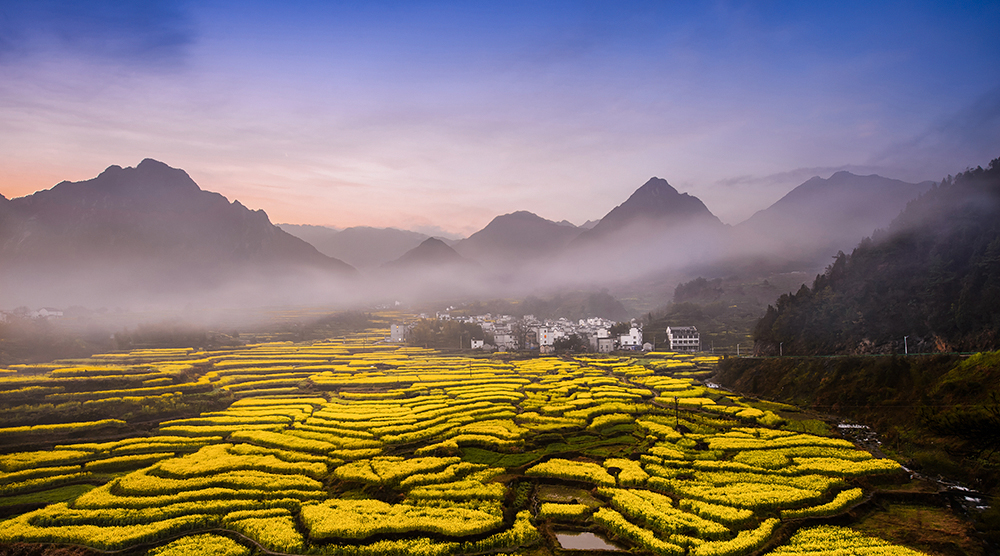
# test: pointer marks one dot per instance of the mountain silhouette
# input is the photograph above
(362, 247)
(432, 252)
(822, 216)
(654, 206)
(517, 237)
(145, 229)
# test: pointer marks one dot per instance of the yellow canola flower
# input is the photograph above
(360, 519)
(201, 545)
(828, 540)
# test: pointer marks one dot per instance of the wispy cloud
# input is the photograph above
(973, 130)
(140, 35)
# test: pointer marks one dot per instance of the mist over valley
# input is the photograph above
(149, 238)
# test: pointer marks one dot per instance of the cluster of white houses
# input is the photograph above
(25, 313)
(509, 333)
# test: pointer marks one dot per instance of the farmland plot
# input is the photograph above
(351, 447)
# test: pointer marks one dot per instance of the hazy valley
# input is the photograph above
(149, 237)
(275, 389)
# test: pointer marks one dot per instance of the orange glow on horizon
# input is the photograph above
(21, 183)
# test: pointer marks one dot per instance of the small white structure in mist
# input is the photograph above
(398, 333)
(477, 344)
(683, 338)
(46, 312)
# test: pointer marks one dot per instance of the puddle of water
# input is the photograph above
(584, 541)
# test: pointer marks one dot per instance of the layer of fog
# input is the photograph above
(625, 262)
(637, 254)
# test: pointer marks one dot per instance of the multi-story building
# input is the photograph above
(683, 338)
(546, 336)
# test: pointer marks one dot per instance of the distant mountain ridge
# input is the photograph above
(799, 229)
(932, 276)
(148, 228)
(517, 237)
(824, 215)
(159, 231)
(363, 247)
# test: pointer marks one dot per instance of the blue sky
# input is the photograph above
(445, 114)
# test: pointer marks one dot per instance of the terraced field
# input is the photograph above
(350, 447)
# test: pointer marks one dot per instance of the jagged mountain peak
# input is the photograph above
(655, 202)
(657, 198)
(149, 176)
(656, 185)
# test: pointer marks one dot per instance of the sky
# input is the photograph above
(438, 116)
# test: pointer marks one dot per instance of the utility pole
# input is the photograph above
(737, 350)
(780, 350)
(906, 349)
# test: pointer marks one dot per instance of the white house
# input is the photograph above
(683, 338)
(631, 340)
(477, 344)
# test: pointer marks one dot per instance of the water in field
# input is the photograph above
(584, 541)
(970, 501)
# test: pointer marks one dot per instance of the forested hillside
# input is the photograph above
(932, 277)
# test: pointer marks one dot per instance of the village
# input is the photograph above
(508, 333)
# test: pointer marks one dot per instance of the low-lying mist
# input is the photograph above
(147, 245)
